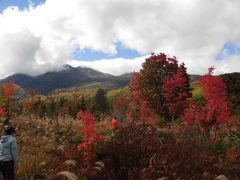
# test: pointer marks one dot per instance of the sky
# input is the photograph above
(116, 36)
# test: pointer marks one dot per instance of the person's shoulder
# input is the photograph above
(13, 138)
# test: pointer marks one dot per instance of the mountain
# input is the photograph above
(66, 78)
(70, 77)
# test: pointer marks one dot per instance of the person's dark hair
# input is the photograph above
(8, 129)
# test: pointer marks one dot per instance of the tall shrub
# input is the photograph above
(163, 84)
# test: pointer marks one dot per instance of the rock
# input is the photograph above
(69, 175)
(221, 177)
(163, 178)
(70, 162)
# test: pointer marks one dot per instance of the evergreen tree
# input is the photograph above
(101, 103)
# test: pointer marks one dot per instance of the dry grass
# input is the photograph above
(32, 162)
(37, 137)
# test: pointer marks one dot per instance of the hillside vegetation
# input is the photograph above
(167, 127)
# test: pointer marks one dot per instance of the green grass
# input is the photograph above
(197, 93)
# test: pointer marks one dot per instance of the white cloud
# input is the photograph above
(116, 66)
(39, 38)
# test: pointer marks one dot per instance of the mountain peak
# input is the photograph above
(67, 66)
(66, 77)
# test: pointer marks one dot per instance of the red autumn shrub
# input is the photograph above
(90, 138)
(126, 155)
(59, 162)
(84, 154)
(184, 154)
(2, 112)
(216, 110)
(8, 91)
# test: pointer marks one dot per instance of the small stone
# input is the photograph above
(43, 164)
(221, 177)
(70, 162)
(163, 178)
(61, 148)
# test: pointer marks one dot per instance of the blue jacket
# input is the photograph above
(8, 149)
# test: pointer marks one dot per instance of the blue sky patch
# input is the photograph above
(19, 3)
(89, 55)
(228, 49)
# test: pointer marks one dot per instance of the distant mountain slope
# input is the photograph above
(70, 77)
(66, 78)
(194, 77)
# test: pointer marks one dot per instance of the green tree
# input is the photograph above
(101, 102)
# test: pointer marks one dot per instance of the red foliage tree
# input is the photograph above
(215, 93)
(176, 93)
(90, 138)
(216, 110)
(149, 84)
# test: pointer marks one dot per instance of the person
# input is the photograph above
(8, 152)
(114, 123)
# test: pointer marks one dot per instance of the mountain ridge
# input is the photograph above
(66, 78)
